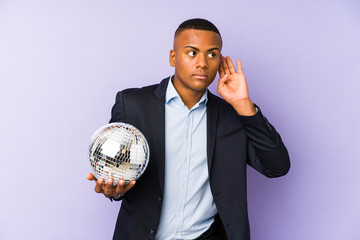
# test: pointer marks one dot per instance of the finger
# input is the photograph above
(91, 177)
(239, 67)
(129, 186)
(121, 186)
(108, 187)
(221, 70)
(225, 65)
(230, 65)
(99, 185)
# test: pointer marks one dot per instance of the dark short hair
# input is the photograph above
(197, 24)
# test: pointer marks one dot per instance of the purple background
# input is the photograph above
(62, 62)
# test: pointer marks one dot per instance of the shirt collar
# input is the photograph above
(171, 93)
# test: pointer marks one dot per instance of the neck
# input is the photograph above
(189, 96)
(191, 100)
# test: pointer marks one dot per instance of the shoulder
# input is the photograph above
(136, 94)
(143, 91)
(146, 92)
(131, 101)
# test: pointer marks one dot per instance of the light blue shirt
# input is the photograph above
(188, 206)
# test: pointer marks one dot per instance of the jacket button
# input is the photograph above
(159, 199)
(152, 231)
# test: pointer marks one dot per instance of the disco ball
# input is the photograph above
(119, 150)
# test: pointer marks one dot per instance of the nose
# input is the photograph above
(202, 61)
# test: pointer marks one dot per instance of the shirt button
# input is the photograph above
(179, 209)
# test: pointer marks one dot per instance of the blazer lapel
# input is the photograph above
(158, 129)
(212, 117)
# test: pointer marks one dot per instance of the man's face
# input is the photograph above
(196, 58)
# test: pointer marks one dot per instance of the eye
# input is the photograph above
(212, 55)
(192, 53)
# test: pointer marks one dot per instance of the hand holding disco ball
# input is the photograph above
(117, 151)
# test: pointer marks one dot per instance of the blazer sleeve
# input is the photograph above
(117, 111)
(266, 151)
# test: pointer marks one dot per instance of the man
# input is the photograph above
(195, 183)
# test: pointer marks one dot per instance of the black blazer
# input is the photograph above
(233, 141)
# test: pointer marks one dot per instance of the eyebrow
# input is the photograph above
(211, 49)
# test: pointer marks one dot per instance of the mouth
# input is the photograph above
(200, 76)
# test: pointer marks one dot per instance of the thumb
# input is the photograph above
(223, 79)
(91, 177)
(221, 83)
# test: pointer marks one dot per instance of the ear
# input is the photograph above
(172, 58)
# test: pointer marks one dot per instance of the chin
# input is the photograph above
(200, 88)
